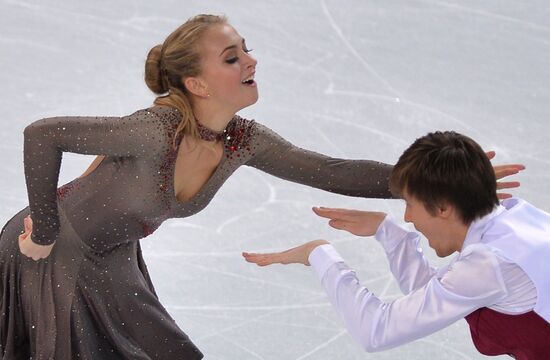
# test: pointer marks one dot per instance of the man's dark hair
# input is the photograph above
(447, 167)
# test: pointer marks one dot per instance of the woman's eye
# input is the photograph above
(236, 58)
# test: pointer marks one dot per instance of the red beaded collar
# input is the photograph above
(209, 134)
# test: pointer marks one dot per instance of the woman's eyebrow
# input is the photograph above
(230, 47)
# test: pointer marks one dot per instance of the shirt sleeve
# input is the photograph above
(408, 264)
(473, 281)
(278, 157)
(140, 134)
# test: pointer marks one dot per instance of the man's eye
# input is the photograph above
(232, 60)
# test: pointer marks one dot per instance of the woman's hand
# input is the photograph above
(297, 255)
(28, 247)
(357, 222)
(501, 171)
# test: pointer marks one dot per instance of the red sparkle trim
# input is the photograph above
(65, 190)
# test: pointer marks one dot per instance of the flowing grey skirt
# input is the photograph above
(82, 304)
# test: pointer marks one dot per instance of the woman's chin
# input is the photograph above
(252, 101)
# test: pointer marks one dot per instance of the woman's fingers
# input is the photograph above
(27, 222)
(23, 237)
(507, 170)
(503, 196)
(502, 171)
(507, 184)
(511, 166)
(34, 251)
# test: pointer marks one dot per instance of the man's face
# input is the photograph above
(435, 227)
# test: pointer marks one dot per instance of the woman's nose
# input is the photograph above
(251, 61)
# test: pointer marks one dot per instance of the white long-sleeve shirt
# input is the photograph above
(478, 276)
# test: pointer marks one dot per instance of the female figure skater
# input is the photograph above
(89, 295)
(498, 280)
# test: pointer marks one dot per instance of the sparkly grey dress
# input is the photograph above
(92, 298)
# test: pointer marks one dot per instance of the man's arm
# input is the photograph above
(407, 262)
(473, 281)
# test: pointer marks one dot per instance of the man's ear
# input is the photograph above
(445, 210)
(196, 86)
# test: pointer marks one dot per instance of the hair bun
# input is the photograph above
(154, 78)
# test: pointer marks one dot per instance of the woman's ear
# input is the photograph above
(196, 86)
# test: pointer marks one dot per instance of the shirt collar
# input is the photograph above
(477, 227)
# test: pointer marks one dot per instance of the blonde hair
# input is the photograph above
(168, 64)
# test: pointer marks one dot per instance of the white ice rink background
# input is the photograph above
(354, 79)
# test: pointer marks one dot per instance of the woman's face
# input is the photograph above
(227, 68)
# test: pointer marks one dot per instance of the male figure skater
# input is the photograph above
(499, 280)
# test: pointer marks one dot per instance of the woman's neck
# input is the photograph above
(214, 118)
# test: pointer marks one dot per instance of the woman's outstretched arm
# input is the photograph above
(278, 157)
(360, 178)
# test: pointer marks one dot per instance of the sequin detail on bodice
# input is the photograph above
(238, 137)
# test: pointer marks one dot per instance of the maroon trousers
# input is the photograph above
(525, 336)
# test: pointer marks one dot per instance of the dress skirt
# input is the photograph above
(82, 304)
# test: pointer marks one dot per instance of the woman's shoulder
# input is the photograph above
(251, 127)
(157, 119)
(153, 124)
(257, 137)
(159, 113)
(251, 130)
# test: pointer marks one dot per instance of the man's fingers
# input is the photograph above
(339, 224)
(251, 257)
(257, 258)
(328, 212)
(264, 259)
(335, 213)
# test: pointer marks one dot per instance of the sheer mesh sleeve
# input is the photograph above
(278, 157)
(140, 134)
